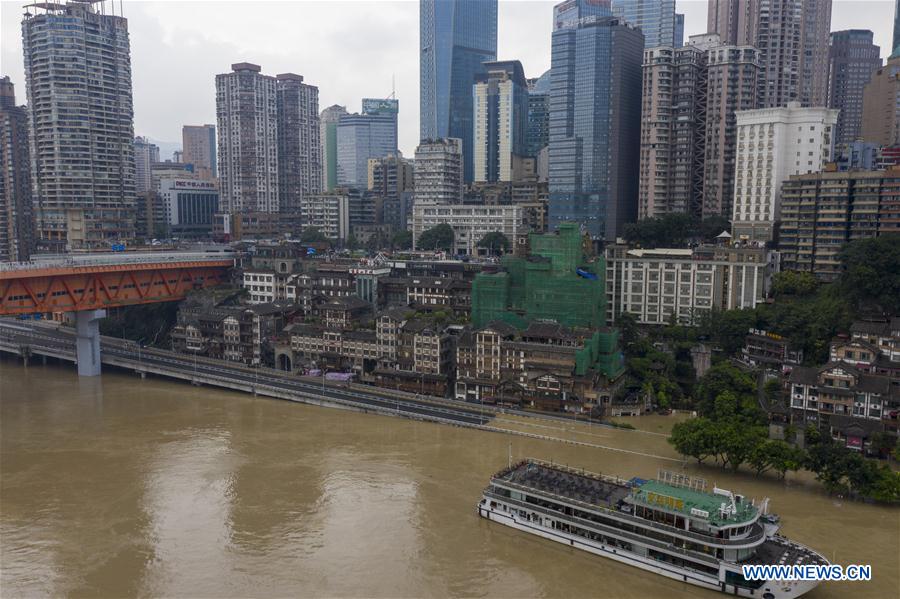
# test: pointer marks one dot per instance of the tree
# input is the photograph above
(721, 379)
(776, 455)
(312, 235)
(439, 237)
(697, 438)
(402, 240)
(871, 272)
(494, 241)
(351, 243)
(792, 282)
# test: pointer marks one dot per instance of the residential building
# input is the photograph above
(189, 206)
(853, 58)
(438, 177)
(456, 38)
(896, 38)
(882, 335)
(372, 134)
(881, 105)
(328, 121)
(500, 122)
(657, 285)
(595, 124)
(859, 156)
(247, 114)
(770, 351)
(820, 212)
(389, 178)
(733, 20)
(327, 212)
(537, 137)
(16, 208)
(469, 223)
(732, 84)
(772, 145)
(299, 159)
(146, 153)
(199, 143)
(655, 18)
(544, 366)
(83, 184)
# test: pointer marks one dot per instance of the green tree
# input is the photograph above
(312, 235)
(494, 241)
(792, 282)
(722, 378)
(778, 456)
(697, 438)
(439, 237)
(402, 240)
(871, 272)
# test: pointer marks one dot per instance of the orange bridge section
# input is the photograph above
(92, 282)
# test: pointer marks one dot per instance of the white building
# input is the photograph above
(145, 154)
(329, 213)
(469, 223)
(438, 175)
(655, 284)
(500, 116)
(772, 145)
(260, 285)
(189, 205)
(247, 115)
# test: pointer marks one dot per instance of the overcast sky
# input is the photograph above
(350, 50)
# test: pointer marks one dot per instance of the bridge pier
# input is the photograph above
(87, 343)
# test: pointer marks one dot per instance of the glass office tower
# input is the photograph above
(456, 38)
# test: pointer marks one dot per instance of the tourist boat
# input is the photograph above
(672, 525)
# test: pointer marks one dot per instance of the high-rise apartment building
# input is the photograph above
(537, 137)
(328, 121)
(390, 179)
(655, 18)
(595, 124)
(372, 134)
(439, 171)
(16, 211)
(733, 20)
(820, 212)
(456, 37)
(881, 105)
(852, 60)
(299, 148)
(896, 38)
(773, 144)
(247, 115)
(673, 111)
(82, 151)
(145, 154)
(500, 113)
(732, 84)
(199, 148)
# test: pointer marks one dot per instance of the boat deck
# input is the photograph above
(784, 552)
(565, 483)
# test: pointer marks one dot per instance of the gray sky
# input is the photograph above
(349, 49)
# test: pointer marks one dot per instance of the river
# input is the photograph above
(119, 487)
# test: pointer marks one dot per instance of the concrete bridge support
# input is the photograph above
(87, 343)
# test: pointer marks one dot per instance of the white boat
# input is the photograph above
(671, 525)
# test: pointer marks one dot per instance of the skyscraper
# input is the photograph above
(16, 214)
(896, 38)
(299, 149)
(881, 105)
(328, 121)
(372, 134)
(198, 144)
(456, 38)
(247, 115)
(83, 167)
(733, 20)
(595, 121)
(390, 180)
(145, 154)
(655, 18)
(438, 172)
(500, 121)
(538, 135)
(566, 14)
(853, 58)
(792, 38)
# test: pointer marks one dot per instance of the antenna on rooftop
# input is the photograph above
(393, 95)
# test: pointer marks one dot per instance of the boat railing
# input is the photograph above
(604, 528)
(709, 540)
(615, 480)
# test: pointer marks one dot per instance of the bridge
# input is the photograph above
(88, 284)
(29, 339)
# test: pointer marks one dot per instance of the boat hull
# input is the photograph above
(769, 590)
